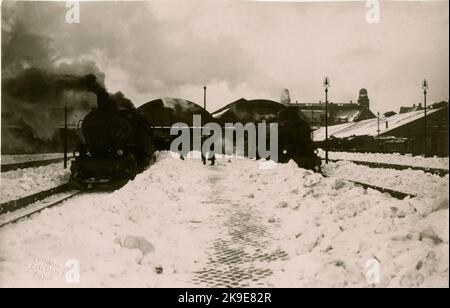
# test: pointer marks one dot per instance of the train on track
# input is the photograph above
(294, 133)
(294, 140)
(118, 143)
(117, 146)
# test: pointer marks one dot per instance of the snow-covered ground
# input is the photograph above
(415, 182)
(239, 223)
(396, 159)
(14, 159)
(24, 182)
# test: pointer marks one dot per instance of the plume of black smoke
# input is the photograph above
(37, 85)
(119, 100)
(36, 98)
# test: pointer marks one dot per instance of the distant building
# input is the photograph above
(338, 113)
(363, 99)
(389, 114)
(285, 97)
(403, 133)
(411, 109)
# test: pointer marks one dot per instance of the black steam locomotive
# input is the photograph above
(294, 140)
(116, 144)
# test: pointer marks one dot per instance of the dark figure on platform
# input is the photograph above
(211, 154)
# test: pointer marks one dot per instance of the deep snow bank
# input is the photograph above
(332, 229)
(155, 230)
(114, 235)
(415, 182)
(23, 182)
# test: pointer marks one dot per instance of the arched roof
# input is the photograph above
(245, 111)
(167, 111)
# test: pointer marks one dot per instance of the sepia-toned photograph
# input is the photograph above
(225, 149)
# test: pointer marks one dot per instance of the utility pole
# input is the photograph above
(378, 131)
(204, 97)
(65, 135)
(425, 88)
(326, 84)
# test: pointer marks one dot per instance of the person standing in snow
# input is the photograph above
(211, 154)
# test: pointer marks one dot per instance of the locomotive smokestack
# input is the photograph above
(103, 101)
(92, 85)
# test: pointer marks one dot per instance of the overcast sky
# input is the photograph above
(248, 49)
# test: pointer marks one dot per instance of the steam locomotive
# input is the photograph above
(294, 140)
(294, 133)
(116, 144)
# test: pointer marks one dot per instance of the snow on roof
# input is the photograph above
(369, 127)
(220, 113)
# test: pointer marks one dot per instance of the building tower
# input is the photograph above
(363, 99)
(285, 97)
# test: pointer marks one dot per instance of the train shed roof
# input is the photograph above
(243, 110)
(167, 111)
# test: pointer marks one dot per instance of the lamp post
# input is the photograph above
(326, 84)
(378, 131)
(204, 97)
(425, 88)
(378, 124)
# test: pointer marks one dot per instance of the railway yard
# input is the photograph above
(245, 223)
(196, 145)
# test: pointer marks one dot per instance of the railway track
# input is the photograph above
(16, 210)
(30, 164)
(437, 171)
(394, 193)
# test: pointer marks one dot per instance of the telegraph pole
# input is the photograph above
(378, 131)
(425, 88)
(326, 84)
(204, 97)
(65, 135)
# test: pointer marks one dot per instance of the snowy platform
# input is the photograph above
(241, 223)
